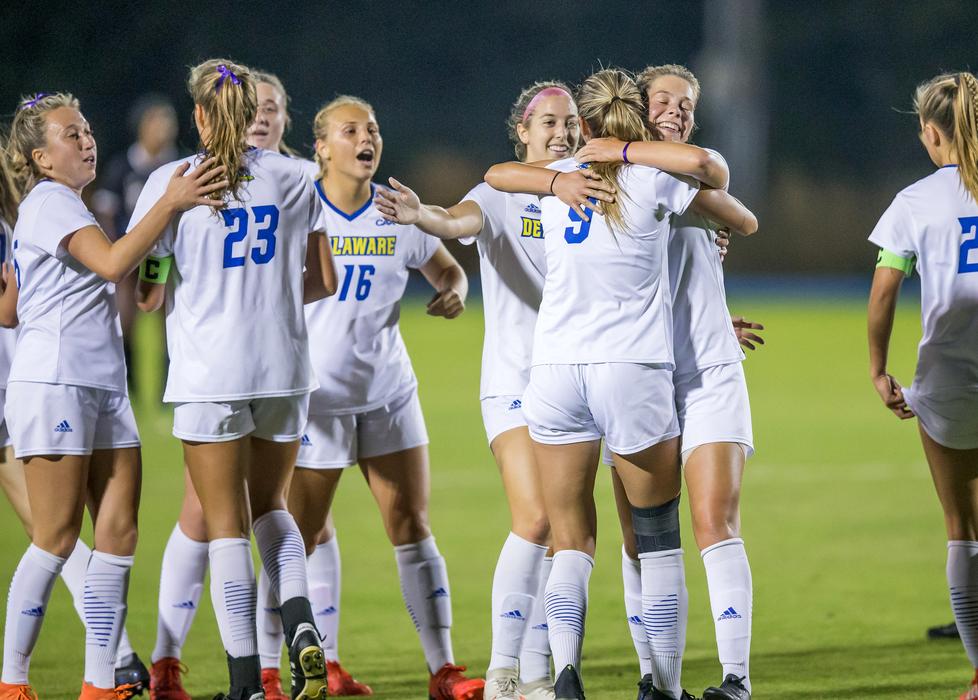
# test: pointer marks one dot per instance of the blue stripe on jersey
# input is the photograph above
(348, 217)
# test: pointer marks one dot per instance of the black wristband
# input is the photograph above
(553, 181)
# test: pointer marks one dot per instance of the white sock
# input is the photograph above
(962, 579)
(233, 594)
(181, 583)
(514, 587)
(73, 574)
(283, 554)
(424, 586)
(664, 609)
(731, 598)
(566, 603)
(631, 575)
(125, 652)
(27, 602)
(535, 654)
(271, 635)
(324, 594)
(106, 588)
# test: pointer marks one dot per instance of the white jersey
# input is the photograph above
(8, 336)
(69, 322)
(607, 296)
(703, 334)
(512, 263)
(235, 328)
(936, 220)
(357, 350)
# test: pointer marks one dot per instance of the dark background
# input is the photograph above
(809, 101)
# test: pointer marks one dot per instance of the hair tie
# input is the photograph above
(225, 74)
(33, 102)
(546, 92)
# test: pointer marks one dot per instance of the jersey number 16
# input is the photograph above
(266, 217)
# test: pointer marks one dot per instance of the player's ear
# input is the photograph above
(523, 134)
(40, 156)
(585, 130)
(931, 135)
(322, 150)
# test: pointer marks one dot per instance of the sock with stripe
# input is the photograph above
(27, 602)
(631, 575)
(566, 604)
(106, 590)
(283, 556)
(962, 580)
(233, 594)
(535, 654)
(424, 587)
(514, 587)
(731, 600)
(664, 608)
(181, 584)
(324, 594)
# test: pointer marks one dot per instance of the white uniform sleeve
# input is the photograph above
(64, 213)
(421, 248)
(315, 217)
(673, 193)
(151, 193)
(478, 195)
(895, 230)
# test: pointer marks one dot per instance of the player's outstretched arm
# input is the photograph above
(679, 158)
(573, 189)
(725, 210)
(8, 297)
(319, 278)
(449, 281)
(114, 260)
(882, 308)
(403, 206)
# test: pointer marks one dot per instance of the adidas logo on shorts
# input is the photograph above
(63, 427)
(516, 404)
(305, 441)
(729, 614)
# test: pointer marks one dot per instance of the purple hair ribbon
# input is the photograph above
(225, 74)
(32, 102)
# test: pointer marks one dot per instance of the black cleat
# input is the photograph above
(944, 632)
(648, 691)
(308, 664)
(568, 685)
(133, 673)
(732, 688)
(260, 695)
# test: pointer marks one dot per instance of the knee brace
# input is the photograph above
(657, 528)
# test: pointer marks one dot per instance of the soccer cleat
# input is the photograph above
(949, 631)
(542, 689)
(120, 692)
(341, 683)
(271, 681)
(164, 680)
(972, 692)
(502, 684)
(308, 664)
(253, 696)
(732, 688)
(451, 684)
(133, 673)
(568, 685)
(648, 691)
(11, 691)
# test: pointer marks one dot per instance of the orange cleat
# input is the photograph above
(340, 682)
(972, 692)
(271, 681)
(451, 684)
(120, 692)
(11, 691)
(164, 680)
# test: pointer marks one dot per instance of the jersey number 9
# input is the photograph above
(266, 218)
(575, 233)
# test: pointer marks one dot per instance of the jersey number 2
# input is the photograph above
(577, 233)
(969, 224)
(265, 215)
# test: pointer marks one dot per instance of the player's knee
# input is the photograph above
(533, 527)
(657, 527)
(961, 525)
(408, 528)
(710, 528)
(116, 536)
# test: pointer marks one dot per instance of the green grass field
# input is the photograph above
(842, 527)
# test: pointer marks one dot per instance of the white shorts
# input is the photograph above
(502, 413)
(712, 406)
(5, 440)
(63, 419)
(274, 418)
(951, 419)
(631, 405)
(336, 442)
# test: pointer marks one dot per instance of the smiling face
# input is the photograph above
(269, 125)
(672, 103)
(69, 153)
(553, 130)
(352, 144)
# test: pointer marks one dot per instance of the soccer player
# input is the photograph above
(73, 425)
(543, 126)
(602, 358)
(933, 225)
(711, 401)
(240, 374)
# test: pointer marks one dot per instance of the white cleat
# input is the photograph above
(542, 689)
(502, 684)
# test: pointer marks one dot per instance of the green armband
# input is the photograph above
(155, 270)
(897, 262)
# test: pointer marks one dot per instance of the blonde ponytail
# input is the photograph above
(950, 103)
(611, 104)
(226, 92)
